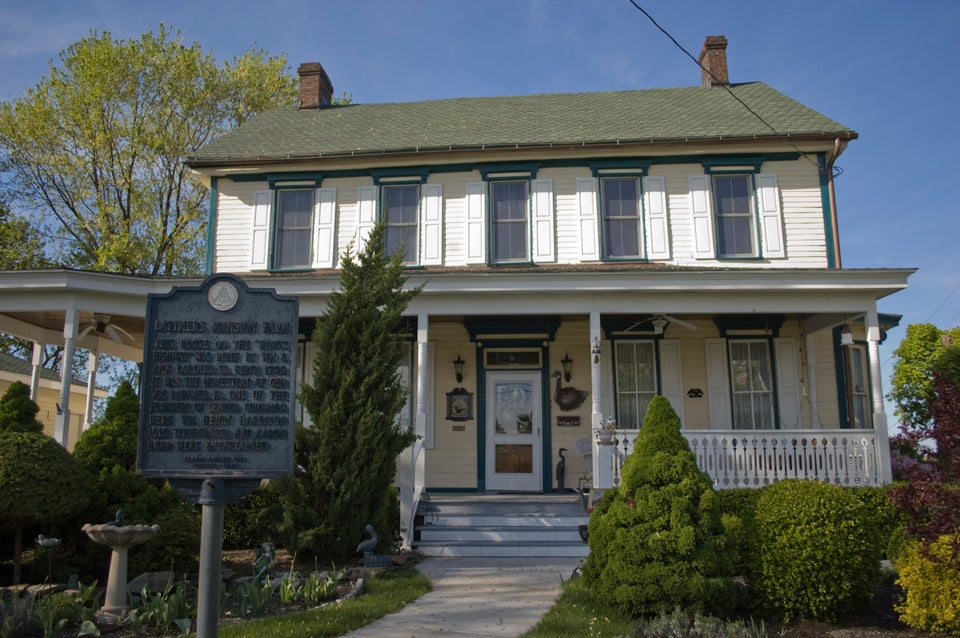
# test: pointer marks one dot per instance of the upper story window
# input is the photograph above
(399, 208)
(622, 228)
(510, 222)
(291, 247)
(732, 195)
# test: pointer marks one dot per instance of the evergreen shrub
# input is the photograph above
(931, 578)
(817, 551)
(657, 542)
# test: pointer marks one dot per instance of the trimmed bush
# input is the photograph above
(817, 551)
(657, 542)
(931, 579)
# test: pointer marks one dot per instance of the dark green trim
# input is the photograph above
(211, 226)
(487, 168)
(530, 168)
(718, 165)
(416, 175)
(273, 180)
(758, 323)
(825, 205)
(772, 351)
(531, 325)
(641, 166)
(546, 424)
(841, 374)
(481, 421)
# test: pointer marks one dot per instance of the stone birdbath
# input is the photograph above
(120, 538)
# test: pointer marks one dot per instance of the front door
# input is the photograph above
(513, 422)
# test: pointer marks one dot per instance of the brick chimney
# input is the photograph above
(315, 88)
(713, 60)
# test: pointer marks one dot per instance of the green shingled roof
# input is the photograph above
(647, 116)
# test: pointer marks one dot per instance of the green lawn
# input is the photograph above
(576, 613)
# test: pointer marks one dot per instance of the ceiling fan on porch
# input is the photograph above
(660, 322)
(101, 326)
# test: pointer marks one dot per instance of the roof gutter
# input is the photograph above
(838, 148)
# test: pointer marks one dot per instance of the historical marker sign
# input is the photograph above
(219, 382)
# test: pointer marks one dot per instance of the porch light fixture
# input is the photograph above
(595, 350)
(846, 335)
(458, 368)
(567, 363)
(658, 325)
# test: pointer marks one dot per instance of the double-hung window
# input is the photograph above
(857, 380)
(752, 384)
(636, 370)
(291, 248)
(400, 205)
(732, 195)
(510, 221)
(622, 228)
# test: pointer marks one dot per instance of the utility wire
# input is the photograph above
(727, 88)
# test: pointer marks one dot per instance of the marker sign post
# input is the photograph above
(217, 404)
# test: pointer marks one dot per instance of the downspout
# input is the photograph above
(838, 148)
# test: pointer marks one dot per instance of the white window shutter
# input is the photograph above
(587, 208)
(671, 376)
(366, 215)
(543, 234)
(476, 223)
(788, 383)
(771, 216)
(260, 230)
(718, 384)
(607, 383)
(431, 221)
(324, 229)
(701, 213)
(658, 225)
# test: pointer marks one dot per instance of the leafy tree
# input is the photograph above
(18, 412)
(39, 483)
(96, 148)
(112, 440)
(21, 245)
(911, 386)
(346, 459)
(657, 541)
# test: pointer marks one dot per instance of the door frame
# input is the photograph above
(505, 481)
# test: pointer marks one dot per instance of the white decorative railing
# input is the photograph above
(754, 458)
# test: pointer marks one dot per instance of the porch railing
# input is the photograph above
(739, 458)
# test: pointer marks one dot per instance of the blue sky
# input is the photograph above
(886, 69)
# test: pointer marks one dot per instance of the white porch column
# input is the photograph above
(602, 466)
(412, 464)
(71, 323)
(93, 360)
(35, 371)
(884, 472)
(810, 377)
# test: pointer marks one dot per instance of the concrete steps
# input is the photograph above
(537, 525)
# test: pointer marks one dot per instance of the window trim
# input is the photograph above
(641, 217)
(527, 221)
(275, 230)
(768, 341)
(751, 216)
(416, 224)
(654, 343)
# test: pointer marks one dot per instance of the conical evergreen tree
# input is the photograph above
(18, 412)
(657, 541)
(346, 459)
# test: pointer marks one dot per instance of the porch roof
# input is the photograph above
(35, 303)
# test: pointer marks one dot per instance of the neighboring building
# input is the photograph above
(45, 389)
(662, 241)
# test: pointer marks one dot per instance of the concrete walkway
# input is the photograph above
(478, 597)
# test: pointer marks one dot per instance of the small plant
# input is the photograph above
(54, 613)
(321, 586)
(253, 599)
(169, 609)
(16, 614)
(930, 576)
(290, 588)
(681, 625)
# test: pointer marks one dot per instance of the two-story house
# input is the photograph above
(581, 253)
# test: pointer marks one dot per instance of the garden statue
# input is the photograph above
(263, 560)
(367, 546)
(561, 468)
